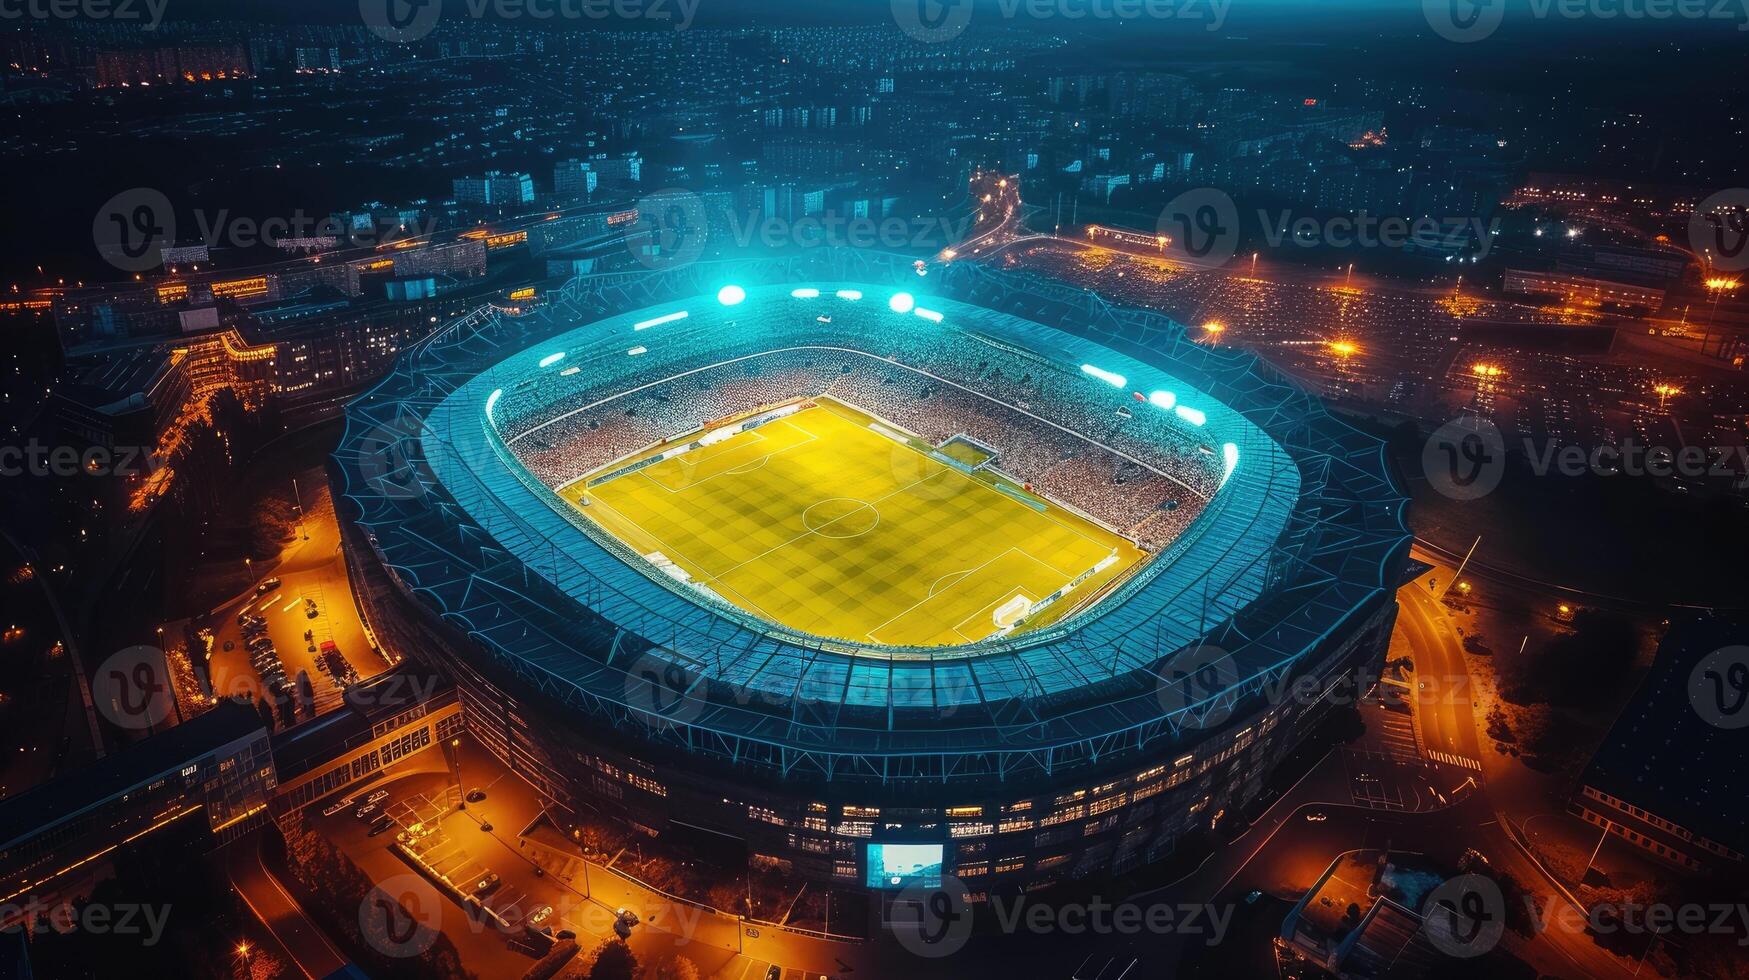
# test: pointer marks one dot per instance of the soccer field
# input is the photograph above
(828, 522)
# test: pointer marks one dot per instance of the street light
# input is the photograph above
(455, 752)
(1719, 285)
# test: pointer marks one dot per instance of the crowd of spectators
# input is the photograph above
(1073, 439)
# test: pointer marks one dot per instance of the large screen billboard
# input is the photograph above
(904, 865)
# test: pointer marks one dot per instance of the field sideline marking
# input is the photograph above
(674, 553)
(733, 469)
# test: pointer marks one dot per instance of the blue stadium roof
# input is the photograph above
(1306, 536)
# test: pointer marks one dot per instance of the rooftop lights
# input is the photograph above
(1115, 380)
(658, 321)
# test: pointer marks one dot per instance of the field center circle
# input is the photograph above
(841, 517)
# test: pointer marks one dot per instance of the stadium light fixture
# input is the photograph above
(731, 295)
(806, 292)
(1162, 399)
(1229, 457)
(552, 359)
(1115, 380)
(902, 302)
(850, 294)
(1195, 416)
(658, 321)
(930, 315)
(492, 400)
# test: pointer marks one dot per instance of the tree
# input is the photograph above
(676, 967)
(614, 961)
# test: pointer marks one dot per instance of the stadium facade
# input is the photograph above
(1089, 746)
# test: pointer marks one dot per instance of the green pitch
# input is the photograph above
(832, 523)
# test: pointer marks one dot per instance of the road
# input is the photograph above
(1443, 697)
(302, 941)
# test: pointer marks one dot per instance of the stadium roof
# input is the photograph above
(1306, 537)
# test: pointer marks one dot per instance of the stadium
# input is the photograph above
(868, 570)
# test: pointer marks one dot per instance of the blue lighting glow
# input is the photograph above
(658, 321)
(492, 400)
(731, 295)
(1194, 416)
(850, 294)
(902, 302)
(1110, 378)
(552, 359)
(930, 315)
(1162, 399)
(806, 292)
(1229, 456)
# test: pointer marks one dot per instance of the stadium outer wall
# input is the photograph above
(1106, 806)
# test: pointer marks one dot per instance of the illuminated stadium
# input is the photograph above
(850, 564)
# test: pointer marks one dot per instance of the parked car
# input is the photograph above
(267, 586)
(365, 811)
(378, 796)
(336, 806)
(381, 826)
(488, 884)
(540, 915)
